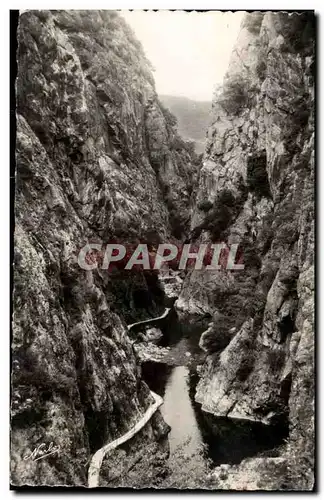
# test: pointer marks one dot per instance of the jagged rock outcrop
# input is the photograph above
(256, 189)
(95, 157)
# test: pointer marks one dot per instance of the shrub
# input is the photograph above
(285, 224)
(235, 95)
(219, 218)
(190, 147)
(217, 337)
(257, 176)
(178, 225)
(169, 117)
(178, 144)
(286, 233)
(250, 256)
(297, 121)
(197, 161)
(247, 362)
(220, 215)
(289, 276)
(217, 221)
(253, 21)
(275, 360)
(261, 68)
(205, 205)
(135, 294)
(33, 374)
(299, 31)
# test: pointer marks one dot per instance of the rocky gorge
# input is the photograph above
(99, 159)
(256, 189)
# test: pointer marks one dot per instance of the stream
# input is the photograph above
(199, 434)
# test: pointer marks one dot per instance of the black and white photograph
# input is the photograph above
(163, 234)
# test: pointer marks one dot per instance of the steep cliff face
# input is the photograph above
(97, 159)
(256, 189)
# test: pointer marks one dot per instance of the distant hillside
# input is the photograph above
(192, 116)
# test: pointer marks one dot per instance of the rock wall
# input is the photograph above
(256, 189)
(98, 158)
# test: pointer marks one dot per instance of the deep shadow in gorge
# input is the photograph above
(99, 159)
(223, 441)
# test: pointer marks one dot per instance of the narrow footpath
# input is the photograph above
(96, 461)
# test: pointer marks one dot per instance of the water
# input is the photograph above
(198, 434)
(179, 413)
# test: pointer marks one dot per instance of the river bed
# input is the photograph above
(198, 434)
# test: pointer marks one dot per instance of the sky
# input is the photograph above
(190, 51)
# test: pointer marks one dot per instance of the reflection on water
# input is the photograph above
(178, 412)
(222, 440)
